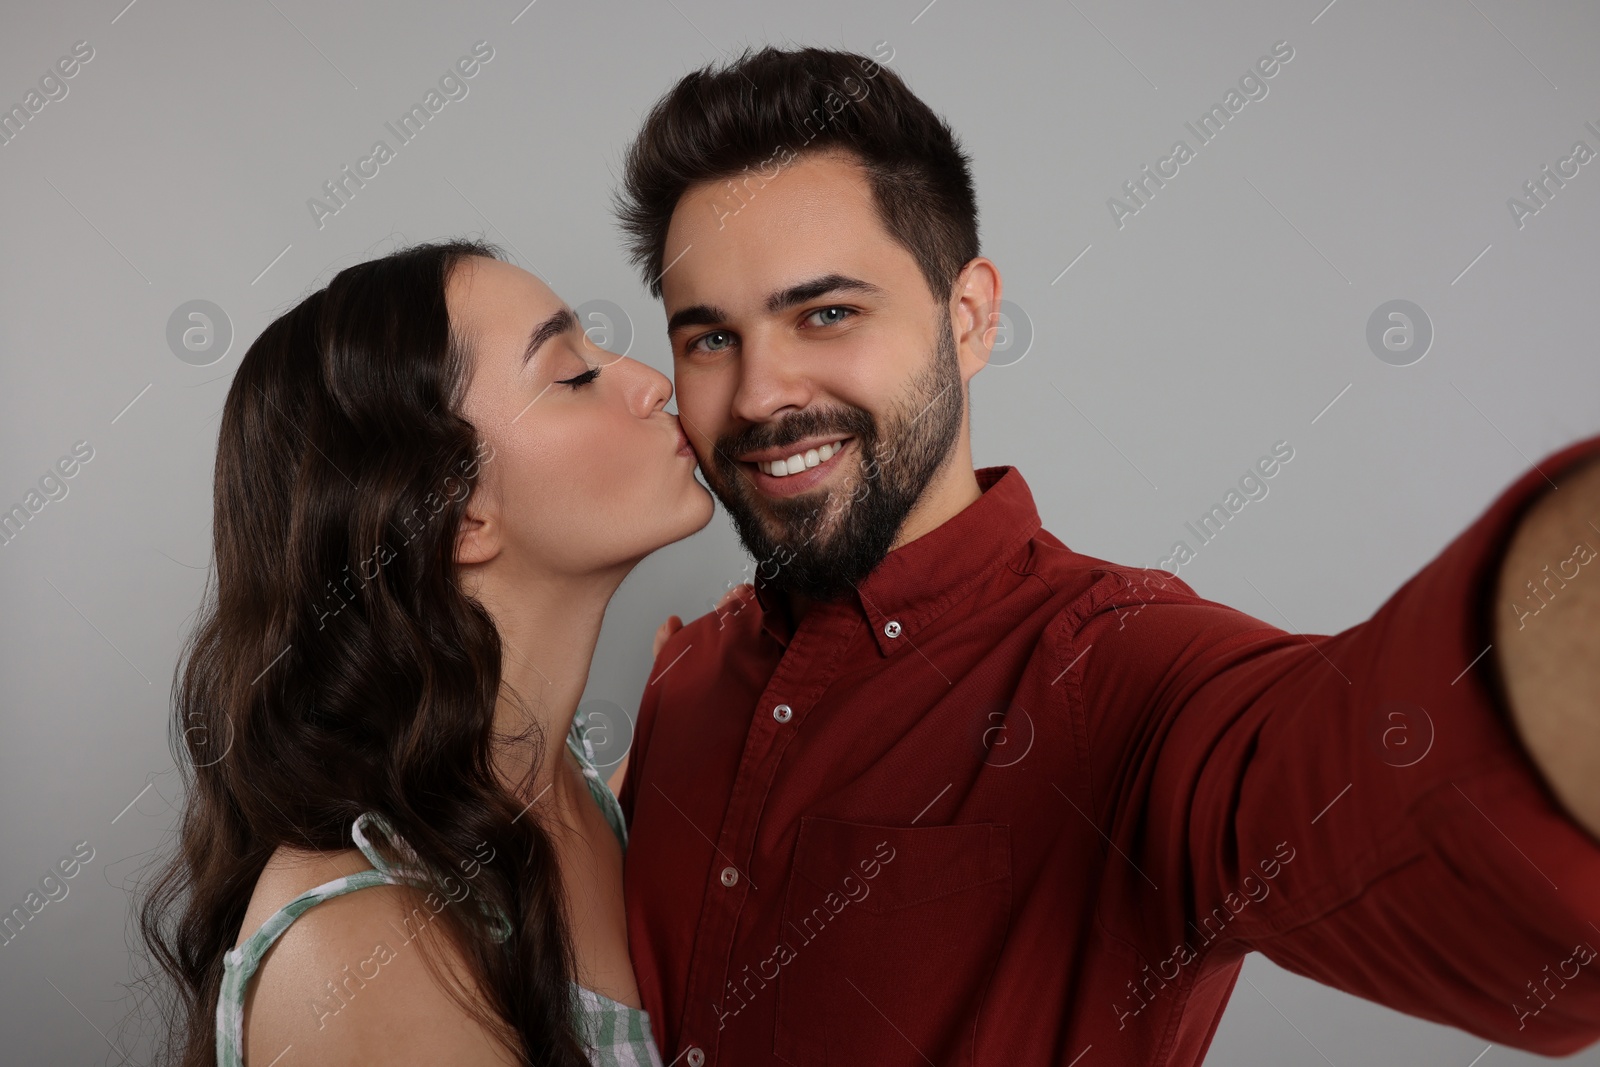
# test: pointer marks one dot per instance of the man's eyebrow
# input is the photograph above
(697, 315)
(554, 326)
(784, 299)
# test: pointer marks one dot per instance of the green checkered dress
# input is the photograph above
(616, 1035)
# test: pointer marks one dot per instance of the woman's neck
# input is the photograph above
(548, 632)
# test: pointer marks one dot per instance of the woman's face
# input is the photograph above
(585, 470)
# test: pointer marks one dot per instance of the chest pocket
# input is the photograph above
(893, 933)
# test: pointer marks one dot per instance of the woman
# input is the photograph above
(428, 485)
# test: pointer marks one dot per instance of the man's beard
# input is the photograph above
(828, 540)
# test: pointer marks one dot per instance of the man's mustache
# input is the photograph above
(853, 422)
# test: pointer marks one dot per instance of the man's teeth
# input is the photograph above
(780, 468)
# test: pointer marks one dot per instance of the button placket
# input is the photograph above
(810, 660)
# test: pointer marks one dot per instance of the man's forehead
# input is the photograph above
(814, 219)
(763, 196)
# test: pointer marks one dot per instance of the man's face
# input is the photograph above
(817, 376)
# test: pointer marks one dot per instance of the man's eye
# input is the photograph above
(828, 316)
(714, 341)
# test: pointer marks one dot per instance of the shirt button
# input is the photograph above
(891, 628)
(783, 713)
(696, 1057)
(729, 876)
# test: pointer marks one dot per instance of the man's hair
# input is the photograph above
(765, 109)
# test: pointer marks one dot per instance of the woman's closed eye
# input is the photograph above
(582, 379)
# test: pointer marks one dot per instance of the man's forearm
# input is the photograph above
(1546, 628)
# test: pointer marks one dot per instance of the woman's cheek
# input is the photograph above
(622, 452)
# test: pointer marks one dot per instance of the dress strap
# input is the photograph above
(582, 748)
(409, 868)
(239, 964)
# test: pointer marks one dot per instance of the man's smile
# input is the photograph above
(793, 469)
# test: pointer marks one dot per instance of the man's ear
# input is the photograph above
(975, 314)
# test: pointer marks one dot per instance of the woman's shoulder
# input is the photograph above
(347, 981)
(290, 872)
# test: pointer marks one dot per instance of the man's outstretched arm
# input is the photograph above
(1547, 638)
(1440, 865)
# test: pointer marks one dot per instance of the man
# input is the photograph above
(949, 792)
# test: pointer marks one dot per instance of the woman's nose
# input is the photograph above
(654, 389)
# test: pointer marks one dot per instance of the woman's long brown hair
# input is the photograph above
(338, 668)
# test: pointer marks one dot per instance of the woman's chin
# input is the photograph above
(665, 519)
(702, 505)
(691, 515)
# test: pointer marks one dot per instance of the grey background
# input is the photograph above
(1227, 315)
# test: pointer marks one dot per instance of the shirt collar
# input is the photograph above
(917, 582)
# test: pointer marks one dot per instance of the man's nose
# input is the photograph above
(773, 379)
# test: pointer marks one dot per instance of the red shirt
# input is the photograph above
(1012, 802)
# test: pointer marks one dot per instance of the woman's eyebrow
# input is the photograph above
(557, 324)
